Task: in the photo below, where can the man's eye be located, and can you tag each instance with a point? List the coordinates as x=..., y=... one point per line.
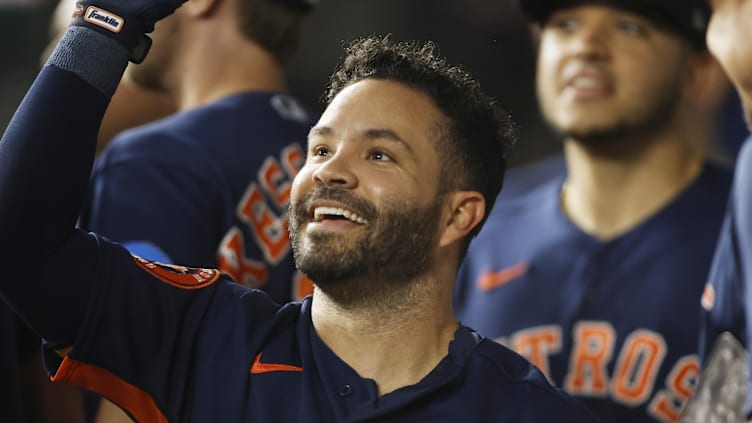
x=320, y=151
x=379, y=156
x=631, y=28
x=565, y=24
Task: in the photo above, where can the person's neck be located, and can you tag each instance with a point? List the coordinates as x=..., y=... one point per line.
x=395, y=342
x=219, y=69
x=612, y=188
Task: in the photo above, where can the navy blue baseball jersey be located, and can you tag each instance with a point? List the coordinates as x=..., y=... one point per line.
x=727, y=298
x=614, y=323
x=210, y=187
x=170, y=343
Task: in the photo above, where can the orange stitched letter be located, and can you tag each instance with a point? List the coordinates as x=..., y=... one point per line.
x=669, y=403
x=638, y=364
x=232, y=260
x=275, y=182
x=591, y=352
x=270, y=231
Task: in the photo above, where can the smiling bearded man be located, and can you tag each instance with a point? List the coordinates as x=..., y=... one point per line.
x=392, y=247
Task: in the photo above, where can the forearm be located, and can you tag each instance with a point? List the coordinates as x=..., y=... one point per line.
x=46, y=156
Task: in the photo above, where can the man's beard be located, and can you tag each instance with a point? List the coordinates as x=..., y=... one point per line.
x=392, y=250
x=653, y=117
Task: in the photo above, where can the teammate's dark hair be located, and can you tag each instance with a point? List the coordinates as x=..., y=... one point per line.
x=274, y=25
x=474, y=144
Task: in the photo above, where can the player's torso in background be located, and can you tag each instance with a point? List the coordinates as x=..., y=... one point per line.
x=227, y=170
x=613, y=323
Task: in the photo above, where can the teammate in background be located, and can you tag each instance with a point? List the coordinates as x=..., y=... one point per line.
x=210, y=184
x=727, y=299
x=400, y=169
x=595, y=276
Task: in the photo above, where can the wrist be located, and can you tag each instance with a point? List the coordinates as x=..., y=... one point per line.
x=97, y=59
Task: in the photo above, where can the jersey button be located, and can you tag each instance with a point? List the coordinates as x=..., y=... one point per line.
x=345, y=391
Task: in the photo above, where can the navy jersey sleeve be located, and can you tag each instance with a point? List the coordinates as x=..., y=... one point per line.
x=742, y=211
x=723, y=297
x=45, y=161
x=727, y=300
x=144, y=202
x=151, y=329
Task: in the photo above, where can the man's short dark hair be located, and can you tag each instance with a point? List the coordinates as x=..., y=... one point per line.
x=474, y=145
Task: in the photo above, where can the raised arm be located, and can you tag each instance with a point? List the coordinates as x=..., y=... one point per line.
x=46, y=156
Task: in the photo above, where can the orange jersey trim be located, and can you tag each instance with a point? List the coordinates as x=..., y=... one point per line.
x=179, y=276
x=259, y=367
x=137, y=402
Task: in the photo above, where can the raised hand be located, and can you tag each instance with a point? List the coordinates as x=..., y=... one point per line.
x=127, y=21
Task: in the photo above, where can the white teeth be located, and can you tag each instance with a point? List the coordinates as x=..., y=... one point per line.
x=320, y=212
x=585, y=82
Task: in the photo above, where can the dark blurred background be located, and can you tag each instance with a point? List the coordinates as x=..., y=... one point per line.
x=487, y=37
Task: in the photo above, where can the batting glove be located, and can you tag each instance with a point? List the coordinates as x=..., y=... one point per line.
x=127, y=21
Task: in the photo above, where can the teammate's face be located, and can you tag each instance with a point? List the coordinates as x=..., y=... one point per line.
x=602, y=71
x=729, y=35
x=157, y=68
x=365, y=205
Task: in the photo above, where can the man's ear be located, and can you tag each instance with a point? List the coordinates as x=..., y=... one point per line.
x=707, y=83
x=199, y=8
x=704, y=94
x=467, y=209
x=535, y=32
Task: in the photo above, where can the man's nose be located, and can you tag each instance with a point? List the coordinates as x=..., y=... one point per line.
x=337, y=171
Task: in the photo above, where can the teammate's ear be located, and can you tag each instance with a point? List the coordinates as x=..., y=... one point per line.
x=466, y=212
x=200, y=8
x=706, y=82
x=534, y=31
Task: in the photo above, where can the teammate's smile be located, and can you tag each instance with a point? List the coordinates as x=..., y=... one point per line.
x=585, y=83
